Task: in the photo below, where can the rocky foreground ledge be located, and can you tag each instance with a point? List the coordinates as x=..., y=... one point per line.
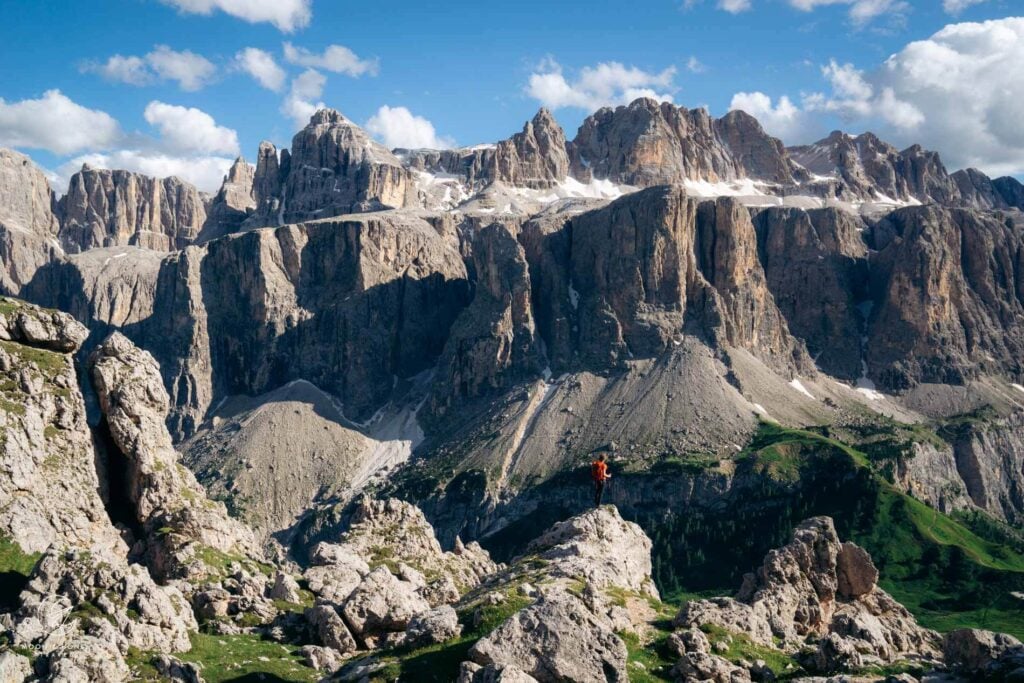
x=127, y=570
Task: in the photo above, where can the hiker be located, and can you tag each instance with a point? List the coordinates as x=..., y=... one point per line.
x=599, y=473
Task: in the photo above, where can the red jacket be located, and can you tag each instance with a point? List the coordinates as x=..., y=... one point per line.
x=599, y=470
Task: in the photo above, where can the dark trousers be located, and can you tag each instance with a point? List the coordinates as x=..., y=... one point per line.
x=598, y=493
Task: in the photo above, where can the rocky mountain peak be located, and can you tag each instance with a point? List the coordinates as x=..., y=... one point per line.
x=334, y=167
x=327, y=116
x=648, y=143
x=234, y=202
x=239, y=172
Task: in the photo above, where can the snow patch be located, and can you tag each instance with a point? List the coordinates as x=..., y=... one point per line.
x=574, y=296
x=798, y=385
x=743, y=187
x=1017, y=387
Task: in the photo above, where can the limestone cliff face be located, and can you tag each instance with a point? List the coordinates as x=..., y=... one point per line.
x=650, y=143
x=348, y=305
x=492, y=344
x=650, y=263
x=333, y=168
x=990, y=461
x=28, y=222
x=949, y=297
x=816, y=268
x=115, y=208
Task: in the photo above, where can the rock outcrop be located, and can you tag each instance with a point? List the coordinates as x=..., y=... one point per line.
x=566, y=633
x=180, y=526
x=817, y=588
x=396, y=533
x=105, y=208
x=28, y=222
x=599, y=548
x=50, y=492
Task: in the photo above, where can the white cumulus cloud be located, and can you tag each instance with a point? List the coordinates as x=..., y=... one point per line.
x=286, y=15
x=399, y=127
x=335, y=58
x=861, y=12
x=303, y=97
x=57, y=124
x=958, y=6
x=782, y=119
x=261, y=65
x=606, y=84
x=190, y=129
x=734, y=6
x=191, y=71
x=958, y=92
x=132, y=70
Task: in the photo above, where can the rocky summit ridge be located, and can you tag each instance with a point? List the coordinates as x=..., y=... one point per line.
x=335, y=421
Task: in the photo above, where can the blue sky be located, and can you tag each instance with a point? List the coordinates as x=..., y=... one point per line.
x=476, y=71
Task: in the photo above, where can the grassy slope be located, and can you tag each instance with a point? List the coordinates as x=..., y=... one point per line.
x=947, y=574
x=15, y=567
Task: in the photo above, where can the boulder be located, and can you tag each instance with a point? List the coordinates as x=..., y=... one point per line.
x=87, y=659
x=555, y=639
x=382, y=602
x=470, y=672
x=856, y=574
x=321, y=658
x=438, y=625
x=173, y=669
x=975, y=651
x=285, y=588
x=14, y=668
x=330, y=628
x=700, y=666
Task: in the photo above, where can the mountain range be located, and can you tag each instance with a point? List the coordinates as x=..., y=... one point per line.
x=758, y=335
